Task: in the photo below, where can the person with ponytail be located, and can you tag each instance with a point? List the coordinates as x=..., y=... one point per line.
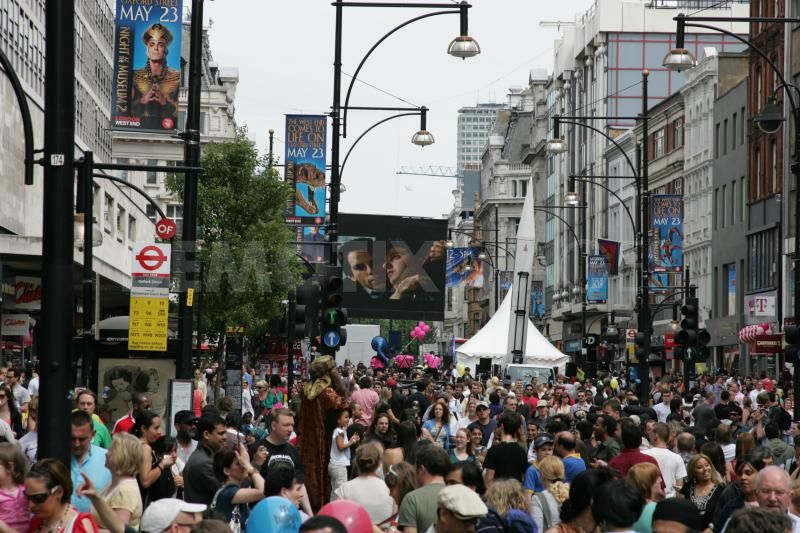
x=546, y=505
x=576, y=512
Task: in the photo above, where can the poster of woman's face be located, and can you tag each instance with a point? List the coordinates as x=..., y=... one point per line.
x=120, y=379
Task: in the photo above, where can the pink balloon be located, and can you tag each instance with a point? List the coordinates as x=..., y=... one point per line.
x=420, y=323
x=426, y=328
x=354, y=517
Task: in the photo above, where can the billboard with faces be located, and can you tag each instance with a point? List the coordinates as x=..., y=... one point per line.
x=393, y=267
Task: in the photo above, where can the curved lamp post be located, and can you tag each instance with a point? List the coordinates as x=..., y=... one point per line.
x=769, y=120
x=462, y=46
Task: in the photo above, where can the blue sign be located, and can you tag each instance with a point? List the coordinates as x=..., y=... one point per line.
x=667, y=219
x=331, y=338
x=597, y=279
x=306, y=154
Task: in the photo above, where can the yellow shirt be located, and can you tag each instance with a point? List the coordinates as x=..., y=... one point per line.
x=124, y=496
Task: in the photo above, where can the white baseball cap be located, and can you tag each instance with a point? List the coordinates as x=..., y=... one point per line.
x=160, y=514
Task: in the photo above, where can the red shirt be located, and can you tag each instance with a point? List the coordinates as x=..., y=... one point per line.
x=629, y=457
x=530, y=401
x=124, y=424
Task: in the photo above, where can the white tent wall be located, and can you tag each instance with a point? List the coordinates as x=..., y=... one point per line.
x=491, y=342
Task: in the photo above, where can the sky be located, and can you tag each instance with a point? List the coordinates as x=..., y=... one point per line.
x=284, y=52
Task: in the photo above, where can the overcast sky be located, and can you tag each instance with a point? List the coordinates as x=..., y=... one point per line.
x=284, y=52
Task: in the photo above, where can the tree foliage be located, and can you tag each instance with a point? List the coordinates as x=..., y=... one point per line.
x=249, y=265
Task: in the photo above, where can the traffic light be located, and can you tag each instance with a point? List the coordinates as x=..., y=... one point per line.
x=306, y=310
x=642, y=342
x=332, y=317
x=688, y=335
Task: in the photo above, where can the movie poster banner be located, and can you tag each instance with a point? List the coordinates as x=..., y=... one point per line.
x=667, y=219
x=611, y=251
x=147, y=65
x=537, y=299
x=306, y=141
x=597, y=279
x=392, y=267
x=313, y=247
x=464, y=267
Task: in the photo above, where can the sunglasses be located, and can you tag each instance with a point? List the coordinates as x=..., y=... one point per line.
x=40, y=497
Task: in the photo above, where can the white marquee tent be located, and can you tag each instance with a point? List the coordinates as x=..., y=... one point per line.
x=491, y=342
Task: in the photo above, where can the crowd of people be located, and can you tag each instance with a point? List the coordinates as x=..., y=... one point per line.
x=356, y=449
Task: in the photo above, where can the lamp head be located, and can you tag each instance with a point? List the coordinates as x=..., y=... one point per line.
x=423, y=138
x=449, y=243
x=770, y=119
x=482, y=255
x=679, y=59
x=464, y=46
x=571, y=198
x=556, y=146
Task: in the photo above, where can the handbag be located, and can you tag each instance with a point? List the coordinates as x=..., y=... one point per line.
x=235, y=523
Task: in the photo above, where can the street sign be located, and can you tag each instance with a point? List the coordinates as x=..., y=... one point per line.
x=150, y=269
x=630, y=335
x=147, y=326
x=166, y=229
x=590, y=340
x=331, y=338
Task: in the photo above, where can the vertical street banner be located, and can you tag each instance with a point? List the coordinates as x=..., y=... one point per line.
x=147, y=65
x=464, y=267
x=732, y=289
x=611, y=251
x=537, y=299
x=306, y=141
x=667, y=223
x=597, y=279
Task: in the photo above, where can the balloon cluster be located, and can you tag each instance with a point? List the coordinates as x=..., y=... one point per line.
x=420, y=331
x=432, y=360
x=404, y=361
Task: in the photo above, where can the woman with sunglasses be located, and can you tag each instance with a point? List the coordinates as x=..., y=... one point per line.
x=48, y=487
x=9, y=412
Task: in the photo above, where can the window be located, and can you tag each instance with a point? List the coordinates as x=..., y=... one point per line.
x=123, y=174
x=733, y=132
x=175, y=212
x=120, y=223
x=725, y=137
x=734, y=204
x=743, y=196
x=717, y=207
x=658, y=143
x=678, y=140
x=108, y=212
x=716, y=141
x=744, y=126
x=774, y=170
x=757, y=171
x=151, y=213
x=152, y=175
x=763, y=252
x=131, y=228
x=449, y=298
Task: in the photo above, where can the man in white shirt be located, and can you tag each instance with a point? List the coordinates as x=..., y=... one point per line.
x=21, y=395
x=672, y=467
x=662, y=408
x=759, y=388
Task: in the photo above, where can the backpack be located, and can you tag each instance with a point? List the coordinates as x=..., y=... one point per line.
x=547, y=520
x=516, y=521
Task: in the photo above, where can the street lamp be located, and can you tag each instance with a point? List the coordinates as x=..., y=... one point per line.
x=679, y=58
x=571, y=197
x=556, y=145
x=462, y=46
x=423, y=137
x=769, y=120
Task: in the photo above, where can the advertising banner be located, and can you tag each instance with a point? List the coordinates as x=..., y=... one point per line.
x=667, y=224
x=731, y=289
x=393, y=267
x=15, y=325
x=464, y=266
x=537, y=299
x=611, y=251
x=27, y=293
x=147, y=66
x=505, y=280
x=306, y=137
x=313, y=248
x=597, y=279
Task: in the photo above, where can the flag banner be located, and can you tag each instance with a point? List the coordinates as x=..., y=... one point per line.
x=147, y=66
x=612, y=252
x=464, y=266
x=306, y=141
x=667, y=232
x=597, y=279
x=537, y=299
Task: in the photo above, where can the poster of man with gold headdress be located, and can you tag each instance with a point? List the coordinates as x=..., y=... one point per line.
x=147, y=65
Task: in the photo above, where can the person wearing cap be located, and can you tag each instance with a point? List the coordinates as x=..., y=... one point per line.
x=542, y=447
x=185, y=424
x=171, y=514
x=458, y=510
x=485, y=422
x=542, y=414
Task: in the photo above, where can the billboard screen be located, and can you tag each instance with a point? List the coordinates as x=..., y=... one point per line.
x=147, y=66
x=393, y=267
x=464, y=266
x=306, y=137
